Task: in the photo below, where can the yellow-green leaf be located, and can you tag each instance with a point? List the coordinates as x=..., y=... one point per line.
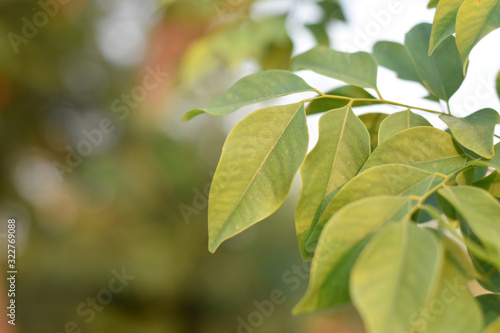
x=359, y=69
x=474, y=132
x=491, y=163
x=395, y=276
x=324, y=104
x=481, y=211
x=343, y=146
x=260, y=158
x=342, y=240
x=443, y=25
x=398, y=122
x=475, y=19
x=252, y=89
x=427, y=148
x=494, y=327
x=372, y=122
x=390, y=179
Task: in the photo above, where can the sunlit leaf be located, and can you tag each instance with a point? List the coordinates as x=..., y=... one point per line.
x=474, y=132
x=260, y=158
x=324, y=104
x=252, y=89
x=443, y=25
x=391, y=179
x=395, y=57
x=441, y=73
x=480, y=210
x=424, y=147
x=395, y=276
x=359, y=69
x=372, y=122
x=343, y=146
x=494, y=327
x=341, y=242
x=398, y=122
x=475, y=19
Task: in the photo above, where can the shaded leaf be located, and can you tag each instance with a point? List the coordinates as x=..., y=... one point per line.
x=474, y=132
x=494, y=327
x=443, y=25
x=372, y=122
x=441, y=73
x=260, y=158
x=432, y=3
x=391, y=179
x=324, y=104
x=475, y=19
x=342, y=240
x=394, y=277
x=427, y=148
x=490, y=305
x=252, y=89
x=395, y=57
x=492, y=163
x=398, y=122
x=359, y=69
x=343, y=146
x=481, y=211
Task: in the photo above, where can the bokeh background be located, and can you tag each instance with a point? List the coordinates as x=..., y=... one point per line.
x=103, y=177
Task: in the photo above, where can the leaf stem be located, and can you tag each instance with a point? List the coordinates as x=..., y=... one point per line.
x=383, y=101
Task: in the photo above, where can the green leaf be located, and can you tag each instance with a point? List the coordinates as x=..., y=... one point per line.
x=372, y=122
x=492, y=163
x=441, y=73
x=427, y=148
x=260, y=158
x=474, y=132
x=252, y=89
x=452, y=297
x=498, y=84
x=391, y=179
x=432, y=3
x=491, y=307
x=324, y=104
x=395, y=57
x=359, y=69
x=340, y=244
x=443, y=25
x=494, y=327
x=394, y=277
x=481, y=211
x=475, y=19
x=398, y=122
x=343, y=146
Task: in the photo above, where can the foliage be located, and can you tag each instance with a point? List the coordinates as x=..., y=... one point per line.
x=360, y=212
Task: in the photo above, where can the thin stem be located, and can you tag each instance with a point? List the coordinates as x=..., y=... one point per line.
x=498, y=136
x=379, y=95
x=379, y=101
x=448, y=107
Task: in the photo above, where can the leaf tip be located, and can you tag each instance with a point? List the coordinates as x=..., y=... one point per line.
x=191, y=114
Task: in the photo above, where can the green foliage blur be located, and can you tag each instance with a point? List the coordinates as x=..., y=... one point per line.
x=100, y=181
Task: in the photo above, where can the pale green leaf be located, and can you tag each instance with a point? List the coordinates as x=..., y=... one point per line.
x=372, y=122
x=481, y=211
x=395, y=57
x=443, y=25
x=359, y=69
x=432, y=3
x=341, y=242
x=441, y=73
x=398, y=122
x=252, y=89
x=394, y=277
x=260, y=158
x=391, y=179
x=474, y=132
x=475, y=19
x=423, y=147
x=324, y=104
x=343, y=146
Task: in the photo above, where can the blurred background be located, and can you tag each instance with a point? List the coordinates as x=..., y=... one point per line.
x=108, y=186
